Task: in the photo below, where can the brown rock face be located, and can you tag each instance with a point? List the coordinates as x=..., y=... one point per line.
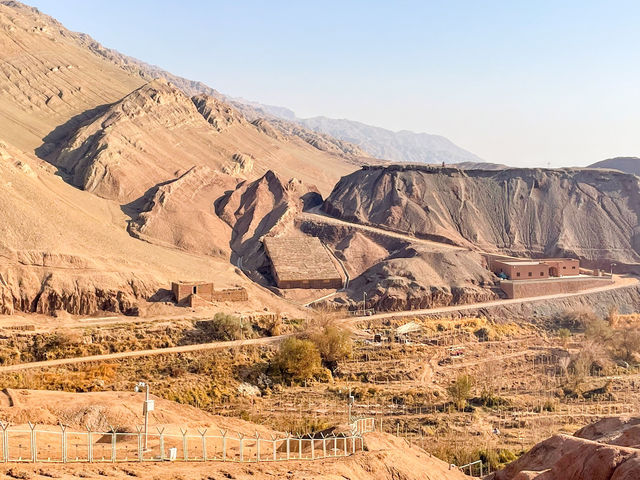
x=590, y=214
x=181, y=213
x=562, y=457
x=144, y=139
x=219, y=114
x=256, y=209
x=46, y=291
x=422, y=277
x=622, y=431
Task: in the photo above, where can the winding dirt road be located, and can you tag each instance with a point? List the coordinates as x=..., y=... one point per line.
x=619, y=282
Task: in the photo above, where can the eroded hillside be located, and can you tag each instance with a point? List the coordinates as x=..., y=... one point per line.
x=590, y=214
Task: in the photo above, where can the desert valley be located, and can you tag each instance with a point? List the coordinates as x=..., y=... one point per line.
x=198, y=286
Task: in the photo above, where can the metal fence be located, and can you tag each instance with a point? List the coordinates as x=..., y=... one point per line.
x=61, y=445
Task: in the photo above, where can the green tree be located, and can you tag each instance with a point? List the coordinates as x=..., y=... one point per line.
x=298, y=359
x=460, y=390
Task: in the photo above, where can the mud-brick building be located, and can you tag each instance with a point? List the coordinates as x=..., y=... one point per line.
x=194, y=294
x=301, y=262
x=521, y=269
x=562, y=267
x=536, y=269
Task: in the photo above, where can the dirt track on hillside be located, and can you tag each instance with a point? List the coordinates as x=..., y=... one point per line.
x=619, y=282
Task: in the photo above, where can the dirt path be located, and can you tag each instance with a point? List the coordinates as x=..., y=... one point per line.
x=145, y=353
x=316, y=215
x=619, y=282
x=350, y=322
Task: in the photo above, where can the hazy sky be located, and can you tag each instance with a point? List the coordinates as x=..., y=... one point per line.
x=518, y=82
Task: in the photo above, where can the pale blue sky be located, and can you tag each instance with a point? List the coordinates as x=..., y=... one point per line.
x=523, y=83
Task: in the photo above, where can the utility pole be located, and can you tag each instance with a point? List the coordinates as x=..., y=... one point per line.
x=147, y=407
x=350, y=403
x=364, y=303
x=611, y=272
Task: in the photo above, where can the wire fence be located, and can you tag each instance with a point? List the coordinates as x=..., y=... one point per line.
x=61, y=445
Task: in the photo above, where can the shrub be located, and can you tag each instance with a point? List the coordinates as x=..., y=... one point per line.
x=576, y=319
x=226, y=327
x=626, y=344
x=460, y=391
x=564, y=334
x=334, y=344
x=298, y=359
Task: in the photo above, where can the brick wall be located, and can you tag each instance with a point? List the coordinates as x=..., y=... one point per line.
x=231, y=295
x=522, y=289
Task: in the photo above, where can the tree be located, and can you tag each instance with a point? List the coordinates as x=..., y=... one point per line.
x=460, y=390
x=627, y=344
x=334, y=344
x=298, y=359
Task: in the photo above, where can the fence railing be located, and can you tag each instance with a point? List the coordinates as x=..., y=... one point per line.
x=61, y=445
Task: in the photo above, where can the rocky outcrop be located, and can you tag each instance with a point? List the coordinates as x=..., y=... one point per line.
x=48, y=290
x=146, y=138
x=562, y=457
x=589, y=214
x=219, y=114
x=417, y=277
x=265, y=127
x=181, y=213
x=621, y=431
x=267, y=206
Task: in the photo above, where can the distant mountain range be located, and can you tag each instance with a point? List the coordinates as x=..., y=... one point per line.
x=401, y=146
x=624, y=164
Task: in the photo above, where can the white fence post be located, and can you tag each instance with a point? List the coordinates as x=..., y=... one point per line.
x=204, y=444
x=288, y=446
x=34, y=447
x=324, y=446
x=140, y=453
x=64, y=442
x=161, y=434
x=89, y=444
x=273, y=441
x=5, y=441
x=240, y=438
x=300, y=446
x=113, y=444
x=224, y=445
x=313, y=446
x=184, y=445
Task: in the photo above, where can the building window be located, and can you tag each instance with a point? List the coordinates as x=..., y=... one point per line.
x=531, y=274
x=518, y=274
x=195, y=290
x=564, y=267
x=573, y=267
x=542, y=274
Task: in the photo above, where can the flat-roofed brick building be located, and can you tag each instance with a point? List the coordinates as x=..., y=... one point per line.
x=301, y=262
x=562, y=267
x=521, y=269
